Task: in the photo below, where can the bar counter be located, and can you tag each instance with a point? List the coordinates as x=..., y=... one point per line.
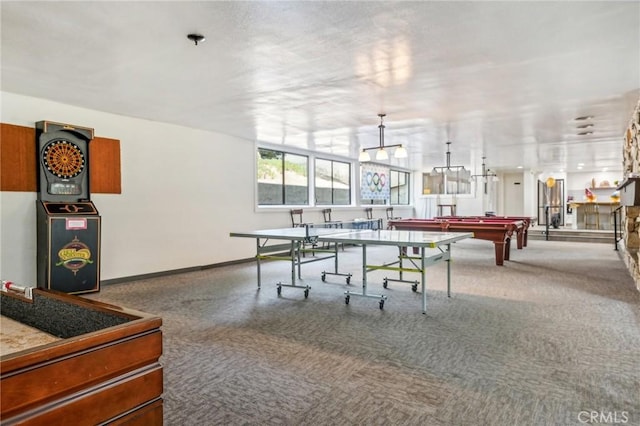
x=605, y=209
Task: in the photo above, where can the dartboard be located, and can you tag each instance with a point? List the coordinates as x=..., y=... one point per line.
x=64, y=159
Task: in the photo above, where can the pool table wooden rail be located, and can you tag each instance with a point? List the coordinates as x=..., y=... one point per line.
x=498, y=232
x=526, y=220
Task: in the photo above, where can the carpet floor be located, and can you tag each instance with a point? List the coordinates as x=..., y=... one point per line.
x=550, y=338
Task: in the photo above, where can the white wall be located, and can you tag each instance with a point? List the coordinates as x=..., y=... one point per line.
x=580, y=181
x=183, y=192
x=513, y=194
x=530, y=194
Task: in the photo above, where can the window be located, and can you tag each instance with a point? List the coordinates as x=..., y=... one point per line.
x=333, y=182
x=283, y=178
x=380, y=185
x=447, y=181
x=399, y=187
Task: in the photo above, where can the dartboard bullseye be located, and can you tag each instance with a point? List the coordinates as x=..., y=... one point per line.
x=64, y=159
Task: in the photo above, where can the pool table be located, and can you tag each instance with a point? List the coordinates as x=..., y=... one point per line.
x=522, y=231
x=527, y=222
x=498, y=232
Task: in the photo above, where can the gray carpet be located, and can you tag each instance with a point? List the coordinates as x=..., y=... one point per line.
x=549, y=339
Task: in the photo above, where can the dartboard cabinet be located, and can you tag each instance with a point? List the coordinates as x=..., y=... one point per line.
x=68, y=223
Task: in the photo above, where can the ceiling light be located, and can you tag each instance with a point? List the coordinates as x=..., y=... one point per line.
x=457, y=175
x=401, y=152
x=486, y=174
x=442, y=169
x=381, y=153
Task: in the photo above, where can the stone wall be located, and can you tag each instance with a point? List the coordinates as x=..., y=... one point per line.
x=631, y=164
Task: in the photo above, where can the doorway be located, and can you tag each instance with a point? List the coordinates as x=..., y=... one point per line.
x=553, y=197
x=513, y=194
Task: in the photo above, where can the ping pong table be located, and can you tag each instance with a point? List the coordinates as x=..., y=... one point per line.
x=433, y=247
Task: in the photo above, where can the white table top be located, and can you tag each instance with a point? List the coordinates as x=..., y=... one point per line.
x=360, y=236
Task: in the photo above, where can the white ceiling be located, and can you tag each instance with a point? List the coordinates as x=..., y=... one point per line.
x=503, y=80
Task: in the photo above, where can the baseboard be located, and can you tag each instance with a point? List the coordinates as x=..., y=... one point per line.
x=175, y=271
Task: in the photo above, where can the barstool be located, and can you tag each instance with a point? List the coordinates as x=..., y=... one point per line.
x=296, y=222
x=326, y=214
x=451, y=207
x=369, y=212
x=591, y=216
x=390, y=216
x=296, y=217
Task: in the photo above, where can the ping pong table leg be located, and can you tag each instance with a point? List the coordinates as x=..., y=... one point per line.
x=295, y=255
x=423, y=277
x=449, y=271
x=294, y=258
x=258, y=260
x=364, y=293
x=403, y=252
x=364, y=269
x=324, y=274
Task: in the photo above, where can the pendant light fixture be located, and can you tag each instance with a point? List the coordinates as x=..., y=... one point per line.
x=487, y=175
x=454, y=179
x=381, y=152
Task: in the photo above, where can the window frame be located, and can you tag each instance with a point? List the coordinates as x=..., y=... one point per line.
x=407, y=175
x=457, y=186
x=332, y=202
x=283, y=184
x=354, y=179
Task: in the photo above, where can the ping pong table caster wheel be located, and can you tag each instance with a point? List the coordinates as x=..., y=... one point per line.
x=346, y=299
x=306, y=293
x=323, y=277
x=279, y=289
x=414, y=287
x=382, y=304
x=349, y=279
x=385, y=283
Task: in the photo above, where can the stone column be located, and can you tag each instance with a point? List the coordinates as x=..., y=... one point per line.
x=631, y=164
